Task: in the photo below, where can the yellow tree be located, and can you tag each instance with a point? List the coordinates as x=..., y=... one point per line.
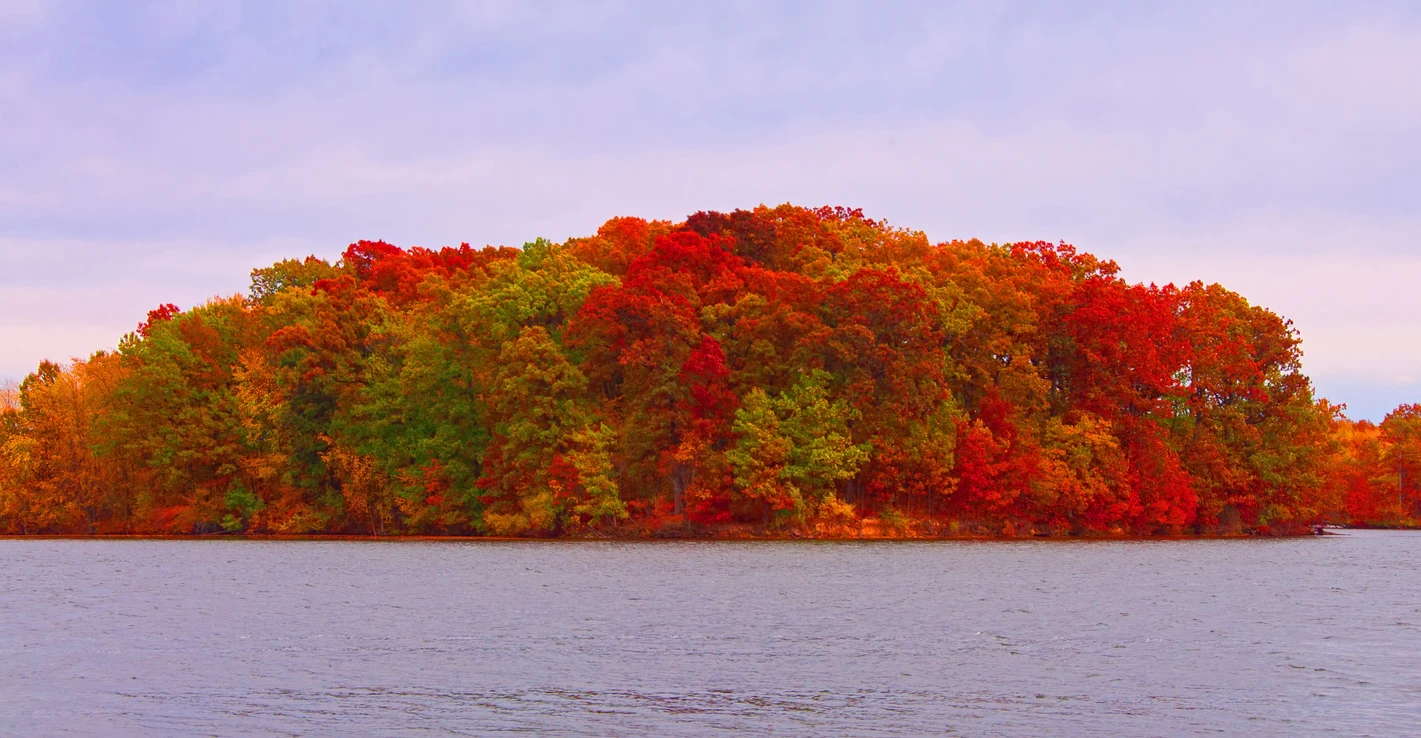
x=57, y=481
x=14, y=462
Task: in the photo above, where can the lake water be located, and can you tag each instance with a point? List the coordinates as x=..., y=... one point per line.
x=1306, y=636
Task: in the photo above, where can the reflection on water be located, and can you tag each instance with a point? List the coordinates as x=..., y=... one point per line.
x=1267, y=637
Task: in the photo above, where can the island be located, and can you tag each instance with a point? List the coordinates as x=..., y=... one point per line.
x=775, y=372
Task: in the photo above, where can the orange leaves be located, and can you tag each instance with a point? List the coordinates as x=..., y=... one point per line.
x=777, y=366
x=618, y=243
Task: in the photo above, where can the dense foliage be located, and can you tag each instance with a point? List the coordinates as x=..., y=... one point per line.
x=782, y=370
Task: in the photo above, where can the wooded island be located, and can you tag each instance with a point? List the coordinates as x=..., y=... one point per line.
x=781, y=371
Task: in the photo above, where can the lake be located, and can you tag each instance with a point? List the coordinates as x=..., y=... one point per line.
x=1300, y=636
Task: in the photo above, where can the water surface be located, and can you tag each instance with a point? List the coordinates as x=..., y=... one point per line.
x=1309, y=636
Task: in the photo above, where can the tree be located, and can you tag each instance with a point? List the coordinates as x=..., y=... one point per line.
x=791, y=450
x=1401, y=436
x=537, y=415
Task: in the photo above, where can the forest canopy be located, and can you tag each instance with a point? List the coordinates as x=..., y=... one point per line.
x=775, y=371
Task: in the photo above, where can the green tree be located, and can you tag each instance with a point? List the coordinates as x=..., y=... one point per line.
x=791, y=450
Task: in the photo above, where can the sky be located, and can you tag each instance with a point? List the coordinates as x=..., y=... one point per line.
x=157, y=152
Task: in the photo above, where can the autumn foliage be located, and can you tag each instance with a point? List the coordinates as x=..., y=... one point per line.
x=781, y=370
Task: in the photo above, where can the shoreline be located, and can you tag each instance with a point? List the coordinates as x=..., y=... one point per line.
x=651, y=539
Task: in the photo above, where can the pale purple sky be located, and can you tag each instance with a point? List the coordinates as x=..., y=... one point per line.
x=156, y=152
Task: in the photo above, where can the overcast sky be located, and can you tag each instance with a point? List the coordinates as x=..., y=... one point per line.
x=157, y=152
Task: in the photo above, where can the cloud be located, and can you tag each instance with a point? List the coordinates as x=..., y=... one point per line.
x=1354, y=315
x=22, y=11
x=1264, y=147
x=65, y=299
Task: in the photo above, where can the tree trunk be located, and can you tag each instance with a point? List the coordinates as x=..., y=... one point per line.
x=680, y=480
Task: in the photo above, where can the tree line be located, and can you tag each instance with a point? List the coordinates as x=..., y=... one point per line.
x=781, y=370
